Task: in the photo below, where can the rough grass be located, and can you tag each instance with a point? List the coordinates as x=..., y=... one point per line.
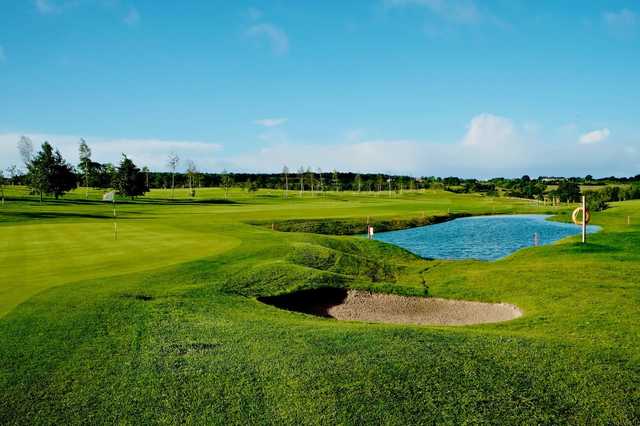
x=163, y=325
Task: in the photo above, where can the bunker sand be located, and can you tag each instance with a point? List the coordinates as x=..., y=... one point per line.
x=356, y=305
x=372, y=307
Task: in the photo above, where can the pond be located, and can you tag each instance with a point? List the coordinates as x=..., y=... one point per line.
x=481, y=237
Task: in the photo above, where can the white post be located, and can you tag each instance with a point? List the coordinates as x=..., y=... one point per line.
x=584, y=219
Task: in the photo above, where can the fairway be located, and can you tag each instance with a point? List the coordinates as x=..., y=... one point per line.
x=163, y=324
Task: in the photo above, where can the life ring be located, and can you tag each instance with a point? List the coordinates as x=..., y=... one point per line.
x=586, y=215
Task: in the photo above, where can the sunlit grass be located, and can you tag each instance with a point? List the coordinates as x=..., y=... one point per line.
x=162, y=324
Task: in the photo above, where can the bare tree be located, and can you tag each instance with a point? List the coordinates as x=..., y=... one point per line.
x=85, y=162
x=25, y=147
x=285, y=172
x=336, y=180
x=192, y=174
x=173, y=162
x=12, y=172
x=359, y=182
x=320, y=180
x=301, y=179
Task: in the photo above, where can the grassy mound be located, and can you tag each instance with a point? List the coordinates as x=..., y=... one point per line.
x=354, y=226
x=163, y=325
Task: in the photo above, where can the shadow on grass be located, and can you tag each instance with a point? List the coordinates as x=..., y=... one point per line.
x=26, y=216
x=590, y=248
x=144, y=201
x=316, y=301
x=179, y=202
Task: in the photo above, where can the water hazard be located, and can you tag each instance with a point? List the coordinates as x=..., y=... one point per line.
x=481, y=237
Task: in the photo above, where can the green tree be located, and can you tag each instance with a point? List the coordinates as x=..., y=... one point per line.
x=85, y=163
x=145, y=170
x=2, y=187
x=285, y=173
x=49, y=173
x=568, y=191
x=311, y=178
x=129, y=181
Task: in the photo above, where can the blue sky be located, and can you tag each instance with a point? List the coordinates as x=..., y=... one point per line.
x=427, y=87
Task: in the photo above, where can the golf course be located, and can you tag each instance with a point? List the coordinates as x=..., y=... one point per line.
x=149, y=311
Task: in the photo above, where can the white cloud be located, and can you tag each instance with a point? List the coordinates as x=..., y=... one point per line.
x=624, y=17
x=490, y=146
x=132, y=17
x=271, y=122
x=46, y=6
x=144, y=152
x=487, y=129
x=622, y=23
x=275, y=36
x=594, y=136
x=459, y=11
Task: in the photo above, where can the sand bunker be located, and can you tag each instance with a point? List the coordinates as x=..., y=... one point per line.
x=354, y=305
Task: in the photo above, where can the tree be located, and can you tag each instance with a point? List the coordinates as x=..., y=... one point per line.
x=568, y=191
x=250, y=186
x=49, y=173
x=311, y=179
x=12, y=173
x=129, y=182
x=85, y=163
x=301, y=178
x=285, y=172
x=358, y=182
x=320, y=180
x=145, y=170
x=192, y=174
x=227, y=182
x=335, y=180
x=107, y=175
x=173, y=162
x=2, y=187
x=25, y=147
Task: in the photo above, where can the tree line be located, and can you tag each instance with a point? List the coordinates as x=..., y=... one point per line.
x=46, y=172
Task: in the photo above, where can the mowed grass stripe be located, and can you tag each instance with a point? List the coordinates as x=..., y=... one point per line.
x=46, y=255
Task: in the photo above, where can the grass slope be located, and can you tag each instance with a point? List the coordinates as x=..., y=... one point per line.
x=162, y=325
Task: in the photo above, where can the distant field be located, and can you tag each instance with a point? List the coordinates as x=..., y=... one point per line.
x=162, y=325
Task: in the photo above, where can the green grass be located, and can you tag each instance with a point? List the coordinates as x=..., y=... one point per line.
x=162, y=324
